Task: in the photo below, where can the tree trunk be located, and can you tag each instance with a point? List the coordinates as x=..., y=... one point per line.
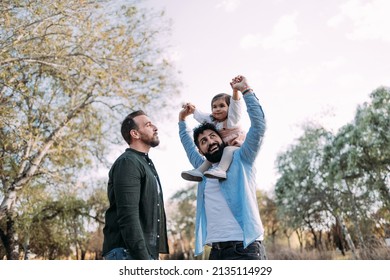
x=10, y=236
x=285, y=232
x=10, y=240
x=313, y=232
x=338, y=237
x=300, y=239
x=357, y=230
x=26, y=248
x=7, y=203
x=347, y=237
x=182, y=247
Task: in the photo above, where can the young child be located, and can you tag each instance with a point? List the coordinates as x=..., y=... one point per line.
x=225, y=115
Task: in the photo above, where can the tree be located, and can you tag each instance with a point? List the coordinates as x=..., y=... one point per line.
x=182, y=221
x=298, y=193
x=359, y=162
x=341, y=181
x=268, y=212
x=67, y=72
x=372, y=123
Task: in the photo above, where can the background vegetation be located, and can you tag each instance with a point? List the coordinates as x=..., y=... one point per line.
x=68, y=71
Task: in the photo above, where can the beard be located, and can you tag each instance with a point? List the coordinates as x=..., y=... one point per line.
x=217, y=155
x=152, y=142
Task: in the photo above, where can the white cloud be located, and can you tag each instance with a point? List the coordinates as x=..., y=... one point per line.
x=336, y=21
x=311, y=75
x=251, y=41
x=334, y=63
x=287, y=77
x=229, y=5
x=350, y=79
x=370, y=19
x=285, y=36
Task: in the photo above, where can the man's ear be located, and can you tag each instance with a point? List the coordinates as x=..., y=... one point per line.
x=134, y=134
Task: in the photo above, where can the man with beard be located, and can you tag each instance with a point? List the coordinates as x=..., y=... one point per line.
x=135, y=224
x=227, y=215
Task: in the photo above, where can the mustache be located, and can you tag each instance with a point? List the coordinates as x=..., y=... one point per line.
x=212, y=146
x=216, y=154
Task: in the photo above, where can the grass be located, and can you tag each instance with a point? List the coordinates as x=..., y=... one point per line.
x=372, y=253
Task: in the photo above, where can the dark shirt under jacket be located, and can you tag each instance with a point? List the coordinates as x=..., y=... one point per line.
x=135, y=219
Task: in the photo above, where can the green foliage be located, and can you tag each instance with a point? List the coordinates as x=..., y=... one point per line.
x=68, y=70
x=55, y=228
x=325, y=178
x=299, y=190
x=183, y=218
x=268, y=214
x=181, y=222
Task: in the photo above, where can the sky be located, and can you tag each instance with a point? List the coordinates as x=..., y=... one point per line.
x=306, y=61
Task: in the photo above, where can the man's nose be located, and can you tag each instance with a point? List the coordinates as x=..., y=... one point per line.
x=210, y=142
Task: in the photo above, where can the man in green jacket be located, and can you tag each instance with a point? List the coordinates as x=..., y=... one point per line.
x=135, y=223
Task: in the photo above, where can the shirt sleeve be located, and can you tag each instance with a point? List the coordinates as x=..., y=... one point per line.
x=235, y=113
x=254, y=137
x=202, y=117
x=127, y=189
x=195, y=158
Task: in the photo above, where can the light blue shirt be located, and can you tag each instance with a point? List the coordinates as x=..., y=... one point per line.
x=239, y=189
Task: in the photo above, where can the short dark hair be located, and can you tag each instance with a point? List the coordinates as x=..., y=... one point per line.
x=201, y=128
x=128, y=124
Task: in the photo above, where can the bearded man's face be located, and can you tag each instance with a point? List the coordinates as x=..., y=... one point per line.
x=211, y=145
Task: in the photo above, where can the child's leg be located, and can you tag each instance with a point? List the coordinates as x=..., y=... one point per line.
x=227, y=157
x=219, y=172
x=197, y=173
x=204, y=166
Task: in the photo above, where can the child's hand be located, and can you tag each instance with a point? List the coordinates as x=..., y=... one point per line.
x=240, y=83
x=191, y=107
x=187, y=109
x=237, y=143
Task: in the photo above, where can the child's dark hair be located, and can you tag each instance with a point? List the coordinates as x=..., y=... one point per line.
x=221, y=95
x=201, y=128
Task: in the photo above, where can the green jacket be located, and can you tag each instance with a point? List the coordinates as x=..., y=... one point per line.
x=135, y=219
